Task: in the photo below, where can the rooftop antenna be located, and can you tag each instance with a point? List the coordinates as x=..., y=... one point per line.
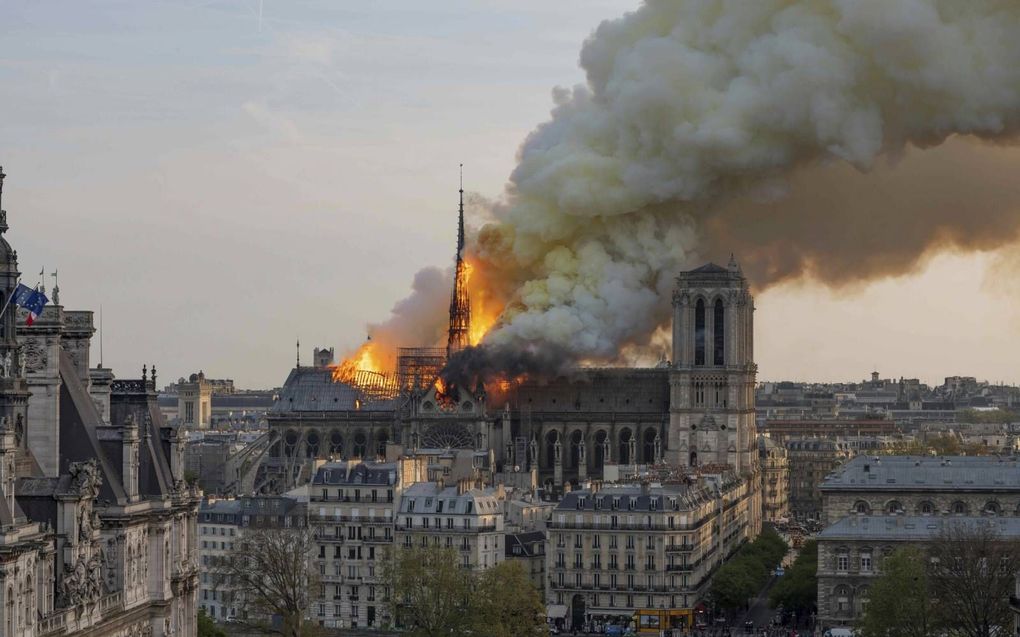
x=299, y=351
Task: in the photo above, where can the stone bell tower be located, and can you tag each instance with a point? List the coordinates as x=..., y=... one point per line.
x=713, y=373
x=13, y=389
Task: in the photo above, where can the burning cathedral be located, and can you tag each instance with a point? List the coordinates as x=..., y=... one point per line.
x=692, y=414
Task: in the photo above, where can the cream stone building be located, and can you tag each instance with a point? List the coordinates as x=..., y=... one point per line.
x=617, y=550
x=775, y=473
x=876, y=504
x=353, y=511
x=466, y=517
x=97, y=526
x=221, y=527
x=194, y=401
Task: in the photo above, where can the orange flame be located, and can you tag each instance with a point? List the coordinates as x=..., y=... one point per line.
x=365, y=359
x=484, y=311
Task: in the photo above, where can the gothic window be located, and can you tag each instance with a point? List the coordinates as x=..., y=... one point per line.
x=381, y=438
x=718, y=334
x=576, y=439
x=600, y=448
x=312, y=444
x=336, y=443
x=699, y=332
x=550, y=449
x=360, y=444
x=624, y=457
x=649, y=445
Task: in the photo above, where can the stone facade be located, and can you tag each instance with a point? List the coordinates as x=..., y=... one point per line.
x=810, y=460
x=221, y=523
x=97, y=527
x=194, y=402
x=352, y=509
x=620, y=549
x=775, y=473
x=876, y=504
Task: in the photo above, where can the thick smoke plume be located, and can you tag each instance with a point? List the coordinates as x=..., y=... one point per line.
x=809, y=137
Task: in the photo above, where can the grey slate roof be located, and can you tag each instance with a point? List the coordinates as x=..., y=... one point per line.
x=911, y=528
x=313, y=389
x=941, y=473
x=369, y=473
x=631, y=498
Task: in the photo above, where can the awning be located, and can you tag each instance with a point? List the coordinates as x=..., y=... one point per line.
x=618, y=612
x=556, y=611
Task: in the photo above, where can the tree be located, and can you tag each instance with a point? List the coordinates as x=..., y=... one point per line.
x=508, y=604
x=743, y=575
x=268, y=579
x=207, y=627
x=428, y=593
x=972, y=572
x=899, y=602
x=797, y=589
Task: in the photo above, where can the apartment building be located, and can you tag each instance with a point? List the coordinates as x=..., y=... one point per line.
x=775, y=475
x=221, y=525
x=617, y=551
x=352, y=507
x=466, y=517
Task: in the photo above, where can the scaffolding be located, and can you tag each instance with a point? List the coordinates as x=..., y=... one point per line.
x=375, y=386
x=418, y=367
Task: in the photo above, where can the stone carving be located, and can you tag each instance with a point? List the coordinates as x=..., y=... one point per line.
x=5, y=364
x=82, y=584
x=35, y=356
x=85, y=478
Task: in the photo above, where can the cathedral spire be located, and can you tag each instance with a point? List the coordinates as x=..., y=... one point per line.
x=460, y=304
x=460, y=220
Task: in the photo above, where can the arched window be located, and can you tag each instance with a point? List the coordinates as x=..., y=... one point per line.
x=992, y=508
x=861, y=507
x=718, y=334
x=926, y=508
x=958, y=508
x=699, y=332
x=624, y=456
x=893, y=507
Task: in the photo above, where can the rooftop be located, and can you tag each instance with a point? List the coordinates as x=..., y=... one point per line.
x=926, y=472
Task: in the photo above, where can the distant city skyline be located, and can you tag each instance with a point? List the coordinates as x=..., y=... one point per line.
x=223, y=183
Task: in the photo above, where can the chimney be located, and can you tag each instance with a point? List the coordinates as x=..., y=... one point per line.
x=646, y=487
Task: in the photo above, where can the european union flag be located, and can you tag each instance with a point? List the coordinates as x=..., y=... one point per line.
x=31, y=300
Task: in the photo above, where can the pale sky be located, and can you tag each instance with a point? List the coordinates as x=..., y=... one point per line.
x=223, y=184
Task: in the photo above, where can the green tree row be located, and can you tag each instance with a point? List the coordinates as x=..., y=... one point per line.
x=744, y=574
x=797, y=590
x=430, y=595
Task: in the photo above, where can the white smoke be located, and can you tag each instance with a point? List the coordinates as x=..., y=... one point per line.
x=691, y=103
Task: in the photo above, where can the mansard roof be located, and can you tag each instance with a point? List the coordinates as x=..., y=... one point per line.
x=939, y=473
x=361, y=473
